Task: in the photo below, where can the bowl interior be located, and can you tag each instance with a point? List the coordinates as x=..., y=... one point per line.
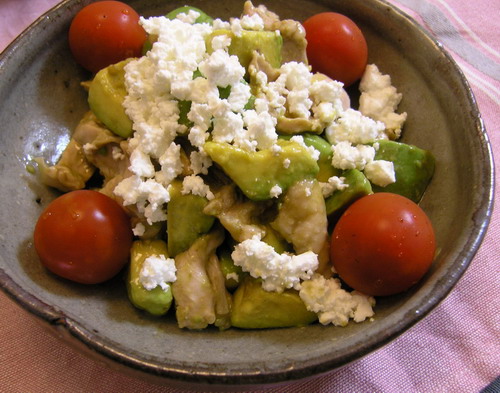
x=42, y=101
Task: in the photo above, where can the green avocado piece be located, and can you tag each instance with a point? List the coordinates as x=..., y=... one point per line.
x=268, y=43
x=340, y=200
x=278, y=242
x=255, y=173
x=106, y=94
x=255, y=308
x=158, y=300
x=203, y=18
x=326, y=170
x=229, y=268
x=414, y=168
x=186, y=221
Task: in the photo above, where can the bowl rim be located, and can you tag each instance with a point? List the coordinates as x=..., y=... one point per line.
x=102, y=347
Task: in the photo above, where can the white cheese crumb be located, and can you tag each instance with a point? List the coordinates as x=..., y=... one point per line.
x=286, y=163
x=353, y=127
x=157, y=271
x=221, y=41
x=380, y=172
x=333, y=304
x=233, y=276
x=252, y=22
x=333, y=184
x=278, y=271
x=195, y=185
x=312, y=151
x=379, y=100
x=139, y=229
x=275, y=191
x=346, y=156
x=189, y=17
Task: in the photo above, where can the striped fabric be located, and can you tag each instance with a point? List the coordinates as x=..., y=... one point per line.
x=455, y=349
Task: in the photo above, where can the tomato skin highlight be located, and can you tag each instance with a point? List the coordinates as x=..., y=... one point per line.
x=83, y=236
x=383, y=244
x=336, y=47
x=104, y=33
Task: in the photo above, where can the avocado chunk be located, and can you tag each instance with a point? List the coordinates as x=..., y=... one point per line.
x=255, y=308
x=156, y=301
x=268, y=43
x=326, y=170
x=203, y=18
x=186, y=221
x=340, y=200
x=414, y=169
x=255, y=173
x=276, y=241
x=233, y=274
x=106, y=94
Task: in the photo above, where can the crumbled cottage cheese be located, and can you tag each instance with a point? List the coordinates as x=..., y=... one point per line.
x=333, y=184
x=157, y=271
x=379, y=100
x=278, y=271
x=333, y=304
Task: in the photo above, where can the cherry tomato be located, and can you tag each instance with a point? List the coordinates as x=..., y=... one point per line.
x=84, y=236
x=105, y=33
x=336, y=47
x=383, y=244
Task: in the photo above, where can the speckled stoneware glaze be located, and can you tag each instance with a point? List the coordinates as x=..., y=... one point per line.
x=41, y=101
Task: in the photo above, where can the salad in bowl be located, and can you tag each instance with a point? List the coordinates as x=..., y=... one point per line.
x=225, y=168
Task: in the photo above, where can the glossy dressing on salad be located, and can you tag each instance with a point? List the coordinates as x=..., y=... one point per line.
x=234, y=160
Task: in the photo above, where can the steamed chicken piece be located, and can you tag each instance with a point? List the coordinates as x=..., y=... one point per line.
x=222, y=297
x=294, y=35
x=91, y=146
x=196, y=298
x=302, y=221
x=240, y=218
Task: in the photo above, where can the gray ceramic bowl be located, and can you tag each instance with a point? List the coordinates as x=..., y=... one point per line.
x=41, y=102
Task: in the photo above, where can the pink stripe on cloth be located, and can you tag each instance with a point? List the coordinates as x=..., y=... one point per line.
x=455, y=349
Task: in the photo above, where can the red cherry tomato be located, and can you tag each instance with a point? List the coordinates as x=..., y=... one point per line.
x=336, y=47
x=105, y=33
x=83, y=236
x=383, y=244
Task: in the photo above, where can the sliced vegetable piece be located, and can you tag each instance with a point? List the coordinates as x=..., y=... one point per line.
x=255, y=308
x=268, y=43
x=106, y=94
x=414, y=168
x=256, y=173
x=358, y=186
x=203, y=18
x=158, y=300
x=186, y=221
x=326, y=170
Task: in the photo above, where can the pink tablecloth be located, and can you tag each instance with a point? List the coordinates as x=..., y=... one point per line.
x=455, y=349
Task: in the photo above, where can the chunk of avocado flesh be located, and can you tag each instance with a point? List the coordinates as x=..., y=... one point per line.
x=326, y=170
x=358, y=186
x=268, y=43
x=255, y=308
x=186, y=221
x=414, y=168
x=229, y=269
x=203, y=18
x=255, y=173
x=156, y=301
x=106, y=94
